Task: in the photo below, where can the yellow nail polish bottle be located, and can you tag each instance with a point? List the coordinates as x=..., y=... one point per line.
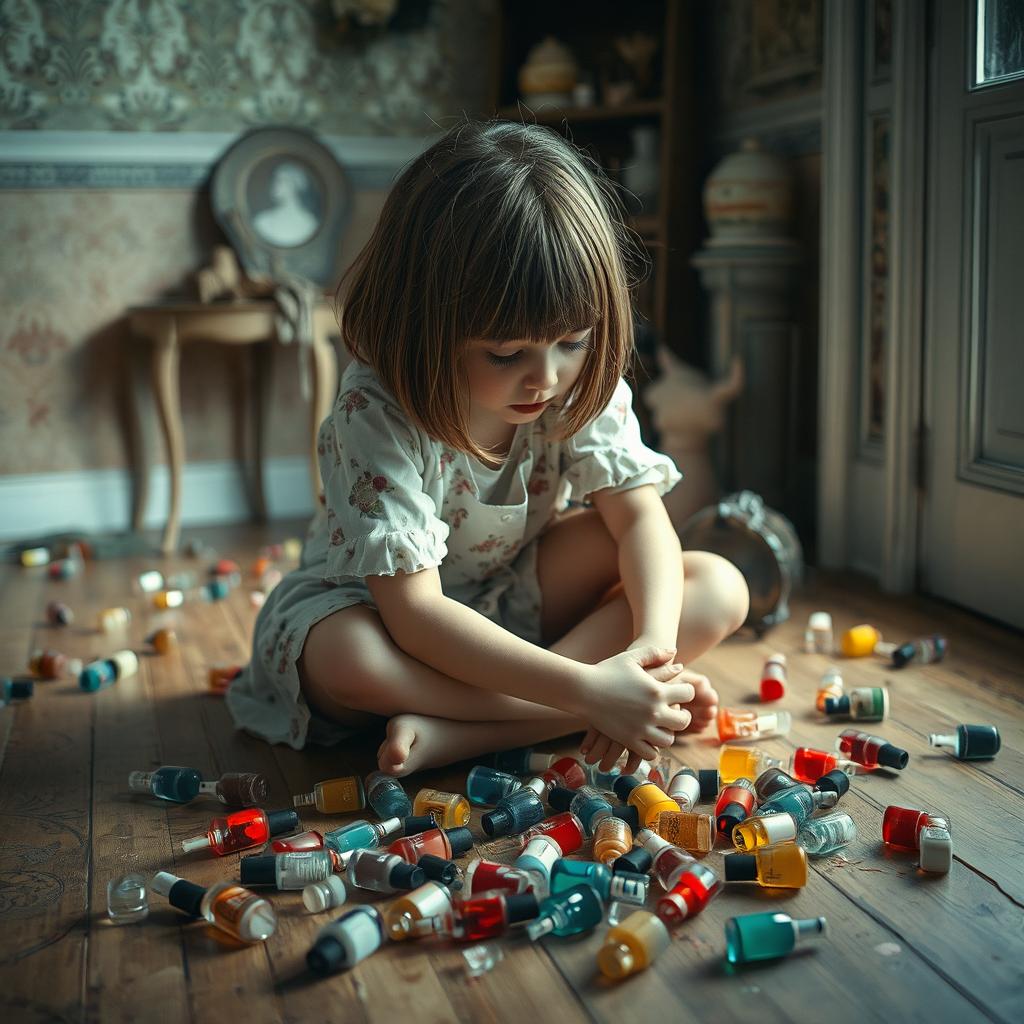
x=450, y=810
x=334, y=796
x=687, y=830
x=762, y=831
x=632, y=945
x=648, y=799
x=780, y=867
x=411, y=915
x=744, y=762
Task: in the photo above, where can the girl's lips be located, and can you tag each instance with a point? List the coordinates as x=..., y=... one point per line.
x=530, y=408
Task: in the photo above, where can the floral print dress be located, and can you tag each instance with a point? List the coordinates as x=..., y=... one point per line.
x=396, y=499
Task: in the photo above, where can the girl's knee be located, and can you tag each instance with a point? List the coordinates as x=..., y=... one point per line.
x=345, y=653
x=724, y=594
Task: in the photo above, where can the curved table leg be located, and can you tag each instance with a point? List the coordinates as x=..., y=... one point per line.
x=168, y=398
x=325, y=384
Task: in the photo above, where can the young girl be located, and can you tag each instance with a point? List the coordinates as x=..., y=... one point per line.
x=443, y=584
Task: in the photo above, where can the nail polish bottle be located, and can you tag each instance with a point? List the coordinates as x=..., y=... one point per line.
x=486, y=786
x=693, y=891
x=632, y=945
x=627, y=888
x=741, y=724
x=484, y=875
x=823, y=836
x=590, y=806
x=438, y=869
x=15, y=689
x=901, y=826
x=823, y=638
x=835, y=781
x=242, y=831
x=487, y=916
x=565, y=829
x=413, y=914
x=743, y=762
x=48, y=664
x=34, y=556
x=646, y=797
x=773, y=678
x=668, y=862
x=514, y=813
x=112, y=619
x=922, y=652
x=311, y=840
x=287, y=871
x=521, y=761
x=239, y=912
x=345, y=941
x=164, y=600
x=612, y=838
x=831, y=686
x=684, y=788
x=772, y=781
x=757, y=832
x=447, y=843
x=768, y=936
x=449, y=810
x=238, y=789
x=102, y=673
x=361, y=834
x=735, y=802
x=383, y=872
x=182, y=895
x=59, y=614
x=324, y=895
x=799, y=802
x=417, y=823
x=220, y=677
x=163, y=641
x=710, y=780
x=638, y=861
x=178, y=785
x=936, y=846
x=969, y=742
x=865, y=704
x=386, y=796
x=569, y=913
x=871, y=751
x=778, y=867
x=536, y=862
x=127, y=899
x=692, y=832
x=334, y=796
x=571, y=772
x=809, y=764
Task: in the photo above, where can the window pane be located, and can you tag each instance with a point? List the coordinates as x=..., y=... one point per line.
x=1000, y=40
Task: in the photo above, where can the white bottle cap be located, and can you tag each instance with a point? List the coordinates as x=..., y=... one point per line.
x=778, y=828
x=936, y=847
x=324, y=895
x=127, y=663
x=163, y=881
x=820, y=621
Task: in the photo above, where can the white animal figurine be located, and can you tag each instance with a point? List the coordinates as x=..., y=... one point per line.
x=688, y=411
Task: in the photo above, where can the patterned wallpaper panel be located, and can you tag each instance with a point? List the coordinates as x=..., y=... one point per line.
x=215, y=65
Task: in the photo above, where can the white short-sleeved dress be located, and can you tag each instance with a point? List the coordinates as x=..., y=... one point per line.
x=396, y=499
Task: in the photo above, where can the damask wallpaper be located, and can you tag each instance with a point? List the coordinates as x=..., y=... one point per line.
x=73, y=260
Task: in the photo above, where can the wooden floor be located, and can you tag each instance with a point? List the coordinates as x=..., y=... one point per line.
x=901, y=946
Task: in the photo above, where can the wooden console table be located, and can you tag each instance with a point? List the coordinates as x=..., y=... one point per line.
x=168, y=327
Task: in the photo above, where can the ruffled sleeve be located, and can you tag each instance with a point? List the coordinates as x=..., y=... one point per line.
x=608, y=453
x=380, y=520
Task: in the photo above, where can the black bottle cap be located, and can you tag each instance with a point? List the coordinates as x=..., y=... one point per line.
x=629, y=814
x=186, y=896
x=624, y=785
x=497, y=822
x=890, y=756
x=710, y=783
x=837, y=705
x=280, y=822
x=902, y=654
x=406, y=876
x=417, y=823
x=834, y=782
x=638, y=860
x=22, y=688
x=732, y=814
x=437, y=869
x=461, y=840
x=522, y=907
x=979, y=740
x=326, y=956
x=258, y=870
x=559, y=798
x=740, y=867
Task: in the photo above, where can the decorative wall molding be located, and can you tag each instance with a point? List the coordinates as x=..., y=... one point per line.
x=170, y=160
x=100, y=500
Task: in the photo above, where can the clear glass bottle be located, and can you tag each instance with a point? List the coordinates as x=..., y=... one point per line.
x=871, y=751
x=324, y=895
x=565, y=829
x=486, y=786
x=386, y=796
x=693, y=891
x=809, y=764
x=346, y=940
x=778, y=867
x=969, y=742
x=830, y=687
x=743, y=724
x=799, y=802
x=649, y=800
x=413, y=913
x=687, y=830
x=569, y=913
x=632, y=945
x=334, y=796
x=865, y=704
x=242, y=831
x=514, y=813
x=757, y=832
x=668, y=861
x=612, y=838
x=238, y=789
x=768, y=936
x=127, y=899
x=361, y=834
x=487, y=916
x=173, y=783
x=823, y=836
x=450, y=810
x=239, y=912
x=684, y=788
x=287, y=870
x=383, y=872
x=744, y=762
x=446, y=843
x=734, y=803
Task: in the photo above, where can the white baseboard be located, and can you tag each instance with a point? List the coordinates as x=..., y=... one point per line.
x=99, y=501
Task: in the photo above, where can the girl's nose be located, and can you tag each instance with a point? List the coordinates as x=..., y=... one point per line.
x=543, y=376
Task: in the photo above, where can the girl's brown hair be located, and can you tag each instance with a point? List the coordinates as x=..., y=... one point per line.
x=498, y=231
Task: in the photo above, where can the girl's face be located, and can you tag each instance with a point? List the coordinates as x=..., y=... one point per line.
x=513, y=382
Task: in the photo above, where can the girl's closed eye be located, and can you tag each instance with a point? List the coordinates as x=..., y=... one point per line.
x=509, y=360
